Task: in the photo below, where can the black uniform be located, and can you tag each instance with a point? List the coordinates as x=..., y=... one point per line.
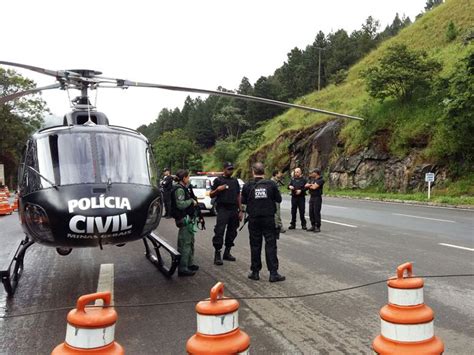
x=315, y=202
x=227, y=212
x=260, y=197
x=167, y=185
x=298, y=201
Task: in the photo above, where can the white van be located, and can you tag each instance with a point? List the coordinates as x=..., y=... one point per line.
x=202, y=187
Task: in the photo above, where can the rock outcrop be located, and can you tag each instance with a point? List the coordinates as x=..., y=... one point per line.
x=320, y=146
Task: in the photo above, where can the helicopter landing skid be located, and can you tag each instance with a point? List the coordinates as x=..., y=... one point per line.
x=11, y=272
x=156, y=258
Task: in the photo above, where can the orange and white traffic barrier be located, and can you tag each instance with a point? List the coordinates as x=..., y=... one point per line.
x=5, y=207
x=91, y=331
x=406, y=322
x=218, y=329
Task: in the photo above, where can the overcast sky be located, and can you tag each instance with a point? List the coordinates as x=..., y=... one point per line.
x=202, y=44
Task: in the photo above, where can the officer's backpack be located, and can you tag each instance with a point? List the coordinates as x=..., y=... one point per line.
x=175, y=212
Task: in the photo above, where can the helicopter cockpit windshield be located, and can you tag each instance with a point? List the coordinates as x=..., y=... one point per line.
x=92, y=158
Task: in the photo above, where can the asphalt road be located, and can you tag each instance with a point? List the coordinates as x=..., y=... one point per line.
x=360, y=242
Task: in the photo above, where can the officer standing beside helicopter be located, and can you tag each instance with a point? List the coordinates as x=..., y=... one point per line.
x=167, y=185
x=183, y=209
x=260, y=197
x=315, y=189
x=226, y=189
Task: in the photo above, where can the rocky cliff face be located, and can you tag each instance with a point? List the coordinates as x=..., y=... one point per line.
x=319, y=146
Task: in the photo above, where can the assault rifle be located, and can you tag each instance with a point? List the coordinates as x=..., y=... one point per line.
x=201, y=223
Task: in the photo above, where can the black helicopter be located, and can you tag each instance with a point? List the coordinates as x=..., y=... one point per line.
x=87, y=183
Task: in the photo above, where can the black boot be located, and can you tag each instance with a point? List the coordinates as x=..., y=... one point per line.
x=186, y=272
x=254, y=276
x=275, y=277
x=217, y=258
x=311, y=229
x=227, y=255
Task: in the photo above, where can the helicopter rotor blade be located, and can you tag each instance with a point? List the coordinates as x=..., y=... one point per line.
x=16, y=95
x=36, y=69
x=127, y=83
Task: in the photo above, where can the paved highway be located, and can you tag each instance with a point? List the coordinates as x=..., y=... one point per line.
x=360, y=242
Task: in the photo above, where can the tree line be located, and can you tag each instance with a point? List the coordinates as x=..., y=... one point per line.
x=230, y=124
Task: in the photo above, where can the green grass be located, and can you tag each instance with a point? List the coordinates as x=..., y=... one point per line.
x=436, y=198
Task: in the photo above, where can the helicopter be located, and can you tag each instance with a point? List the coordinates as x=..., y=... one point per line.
x=87, y=183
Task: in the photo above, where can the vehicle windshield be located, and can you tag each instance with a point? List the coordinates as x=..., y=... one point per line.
x=198, y=183
x=93, y=158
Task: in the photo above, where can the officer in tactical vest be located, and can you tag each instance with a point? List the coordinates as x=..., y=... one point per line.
x=226, y=190
x=277, y=177
x=185, y=218
x=260, y=197
x=298, y=192
x=166, y=186
x=315, y=189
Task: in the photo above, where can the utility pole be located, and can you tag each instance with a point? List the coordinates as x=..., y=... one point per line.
x=319, y=67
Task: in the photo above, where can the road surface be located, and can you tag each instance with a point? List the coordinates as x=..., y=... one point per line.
x=360, y=242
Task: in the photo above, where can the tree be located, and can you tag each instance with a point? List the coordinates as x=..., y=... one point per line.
x=18, y=119
x=245, y=88
x=228, y=122
x=226, y=150
x=401, y=74
x=451, y=31
x=199, y=124
x=175, y=150
x=430, y=4
x=457, y=124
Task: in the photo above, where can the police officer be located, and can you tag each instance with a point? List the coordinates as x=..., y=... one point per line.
x=260, y=197
x=298, y=192
x=277, y=179
x=166, y=185
x=185, y=219
x=315, y=188
x=226, y=190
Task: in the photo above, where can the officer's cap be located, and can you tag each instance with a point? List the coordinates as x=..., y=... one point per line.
x=228, y=165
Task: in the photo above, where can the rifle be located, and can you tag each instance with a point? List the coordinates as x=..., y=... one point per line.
x=246, y=219
x=197, y=213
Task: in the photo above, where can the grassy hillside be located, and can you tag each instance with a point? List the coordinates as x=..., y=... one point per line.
x=406, y=125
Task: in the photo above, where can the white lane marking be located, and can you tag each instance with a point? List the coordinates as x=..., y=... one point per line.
x=455, y=246
x=105, y=282
x=332, y=206
x=431, y=219
x=332, y=222
x=341, y=224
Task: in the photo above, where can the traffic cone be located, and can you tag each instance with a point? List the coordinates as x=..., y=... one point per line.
x=218, y=326
x=91, y=331
x=5, y=207
x=406, y=322
x=7, y=191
